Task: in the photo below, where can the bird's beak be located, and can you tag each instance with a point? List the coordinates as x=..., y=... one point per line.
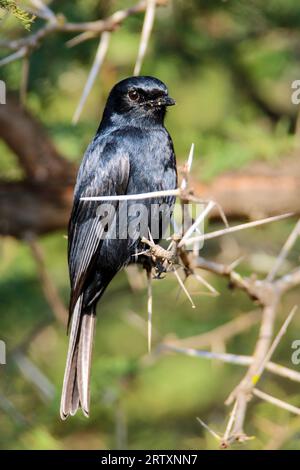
x=164, y=101
x=167, y=101
x=161, y=101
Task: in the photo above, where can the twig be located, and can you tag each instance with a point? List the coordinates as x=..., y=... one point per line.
x=274, y=345
x=235, y=359
x=211, y=431
x=145, y=36
x=284, y=251
x=261, y=349
x=235, y=263
x=149, y=306
x=242, y=394
x=236, y=228
x=227, y=434
x=222, y=214
x=57, y=23
x=47, y=12
x=190, y=159
x=288, y=281
x=222, y=333
x=184, y=288
x=251, y=286
x=276, y=401
x=99, y=58
x=133, y=197
x=203, y=281
x=82, y=37
x=197, y=222
x=187, y=168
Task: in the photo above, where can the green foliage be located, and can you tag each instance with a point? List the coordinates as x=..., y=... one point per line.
x=11, y=7
x=160, y=398
x=215, y=57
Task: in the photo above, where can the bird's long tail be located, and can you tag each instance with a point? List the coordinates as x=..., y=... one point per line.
x=76, y=385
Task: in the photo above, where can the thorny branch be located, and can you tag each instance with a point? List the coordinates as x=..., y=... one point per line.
x=57, y=23
x=266, y=293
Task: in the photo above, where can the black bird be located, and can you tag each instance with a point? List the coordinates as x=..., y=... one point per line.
x=131, y=153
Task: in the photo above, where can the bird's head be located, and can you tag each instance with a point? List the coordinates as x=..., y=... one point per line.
x=138, y=99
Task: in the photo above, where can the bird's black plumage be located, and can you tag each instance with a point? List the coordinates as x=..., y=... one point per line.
x=132, y=153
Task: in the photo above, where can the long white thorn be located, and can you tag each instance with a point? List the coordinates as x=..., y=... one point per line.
x=274, y=345
x=205, y=283
x=149, y=306
x=230, y=422
x=211, y=431
x=99, y=58
x=198, y=221
x=47, y=12
x=276, y=402
x=284, y=251
x=188, y=166
x=133, y=197
x=145, y=36
x=236, y=228
x=184, y=288
x=190, y=158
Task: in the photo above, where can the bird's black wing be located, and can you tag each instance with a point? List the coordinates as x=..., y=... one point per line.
x=104, y=172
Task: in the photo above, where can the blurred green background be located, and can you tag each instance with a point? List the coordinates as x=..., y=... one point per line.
x=229, y=65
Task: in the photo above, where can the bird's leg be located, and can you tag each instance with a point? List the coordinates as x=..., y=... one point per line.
x=158, y=252
x=162, y=259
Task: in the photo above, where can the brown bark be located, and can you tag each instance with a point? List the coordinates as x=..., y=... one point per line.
x=28, y=140
x=37, y=209
x=41, y=202
x=257, y=192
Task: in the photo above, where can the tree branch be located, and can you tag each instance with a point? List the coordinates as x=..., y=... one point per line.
x=34, y=149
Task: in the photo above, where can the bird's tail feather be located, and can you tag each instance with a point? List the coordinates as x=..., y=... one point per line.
x=84, y=360
x=76, y=389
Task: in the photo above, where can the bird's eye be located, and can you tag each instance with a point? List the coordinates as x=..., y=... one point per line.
x=133, y=95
